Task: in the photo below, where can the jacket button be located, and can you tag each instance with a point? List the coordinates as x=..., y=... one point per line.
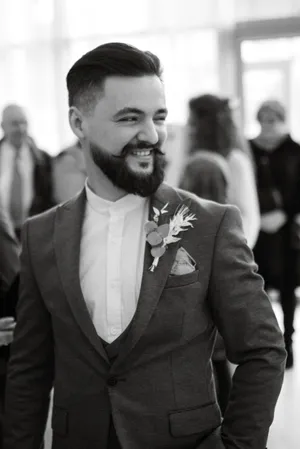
x=112, y=381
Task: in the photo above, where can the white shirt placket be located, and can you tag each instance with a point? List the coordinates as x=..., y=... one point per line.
x=114, y=284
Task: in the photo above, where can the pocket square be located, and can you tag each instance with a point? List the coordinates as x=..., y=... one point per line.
x=183, y=264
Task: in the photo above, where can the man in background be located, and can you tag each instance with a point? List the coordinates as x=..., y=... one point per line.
x=9, y=271
x=25, y=171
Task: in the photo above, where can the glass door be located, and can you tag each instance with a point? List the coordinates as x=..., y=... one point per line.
x=270, y=69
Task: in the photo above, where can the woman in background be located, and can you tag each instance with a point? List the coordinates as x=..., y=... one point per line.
x=211, y=128
x=277, y=161
x=218, y=170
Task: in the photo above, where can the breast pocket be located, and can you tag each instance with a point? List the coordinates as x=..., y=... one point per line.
x=182, y=280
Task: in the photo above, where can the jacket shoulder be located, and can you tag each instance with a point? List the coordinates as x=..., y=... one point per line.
x=204, y=205
x=41, y=224
x=209, y=213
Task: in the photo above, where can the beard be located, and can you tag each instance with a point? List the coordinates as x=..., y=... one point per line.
x=118, y=171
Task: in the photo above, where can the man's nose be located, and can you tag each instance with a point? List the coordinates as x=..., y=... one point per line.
x=149, y=133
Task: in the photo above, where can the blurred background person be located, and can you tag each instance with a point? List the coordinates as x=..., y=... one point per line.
x=211, y=127
x=277, y=160
x=69, y=173
x=9, y=272
x=219, y=168
x=25, y=170
x=207, y=175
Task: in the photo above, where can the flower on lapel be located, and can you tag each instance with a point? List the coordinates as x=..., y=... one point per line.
x=160, y=236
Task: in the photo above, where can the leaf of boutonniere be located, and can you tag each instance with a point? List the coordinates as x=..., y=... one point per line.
x=164, y=209
x=154, y=238
x=171, y=239
x=158, y=251
x=163, y=230
x=150, y=226
x=156, y=211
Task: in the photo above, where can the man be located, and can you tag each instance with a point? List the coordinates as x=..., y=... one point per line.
x=277, y=159
x=25, y=171
x=123, y=327
x=9, y=271
x=69, y=173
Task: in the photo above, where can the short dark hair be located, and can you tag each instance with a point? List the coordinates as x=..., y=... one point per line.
x=214, y=127
x=86, y=77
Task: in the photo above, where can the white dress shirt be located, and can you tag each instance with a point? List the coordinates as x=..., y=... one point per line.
x=26, y=165
x=111, y=260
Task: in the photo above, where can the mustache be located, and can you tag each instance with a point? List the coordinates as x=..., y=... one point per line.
x=140, y=146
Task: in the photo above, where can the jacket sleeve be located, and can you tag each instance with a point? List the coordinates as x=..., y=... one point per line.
x=31, y=366
x=9, y=251
x=253, y=340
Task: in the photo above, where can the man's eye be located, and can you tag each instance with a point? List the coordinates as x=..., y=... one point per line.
x=128, y=119
x=160, y=118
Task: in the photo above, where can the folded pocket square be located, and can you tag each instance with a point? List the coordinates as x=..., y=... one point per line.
x=183, y=264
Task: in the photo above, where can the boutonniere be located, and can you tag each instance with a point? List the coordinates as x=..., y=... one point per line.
x=160, y=236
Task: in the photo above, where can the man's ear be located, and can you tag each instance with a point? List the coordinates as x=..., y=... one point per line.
x=76, y=122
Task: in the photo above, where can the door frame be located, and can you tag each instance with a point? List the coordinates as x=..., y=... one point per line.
x=260, y=30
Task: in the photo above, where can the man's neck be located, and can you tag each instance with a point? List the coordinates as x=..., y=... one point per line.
x=15, y=145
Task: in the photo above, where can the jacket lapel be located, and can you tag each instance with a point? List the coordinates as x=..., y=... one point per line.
x=67, y=236
x=153, y=282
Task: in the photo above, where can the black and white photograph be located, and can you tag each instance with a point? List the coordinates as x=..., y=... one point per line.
x=149, y=224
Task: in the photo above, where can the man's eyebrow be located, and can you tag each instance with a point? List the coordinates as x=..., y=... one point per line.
x=129, y=110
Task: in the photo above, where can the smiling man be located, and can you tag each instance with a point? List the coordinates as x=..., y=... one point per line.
x=123, y=289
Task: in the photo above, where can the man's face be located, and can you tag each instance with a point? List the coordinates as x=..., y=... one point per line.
x=126, y=131
x=269, y=122
x=15, y=126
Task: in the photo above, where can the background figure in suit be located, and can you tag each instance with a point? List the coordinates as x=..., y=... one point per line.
x=25, y=171
x=277, y=160
x=69, y=173
x=9, y=271
x=128, y=348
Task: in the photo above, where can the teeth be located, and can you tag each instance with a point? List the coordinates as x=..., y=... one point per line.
x=141, y=152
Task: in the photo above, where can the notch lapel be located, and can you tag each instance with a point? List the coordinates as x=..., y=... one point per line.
x=153, y=282
x=67, y=236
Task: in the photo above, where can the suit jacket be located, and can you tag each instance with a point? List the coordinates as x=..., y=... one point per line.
x=160, y=388
x=9, y=271
x=42, y=194
x=9, y=250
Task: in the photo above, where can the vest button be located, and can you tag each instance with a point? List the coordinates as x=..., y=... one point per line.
x=112, y=381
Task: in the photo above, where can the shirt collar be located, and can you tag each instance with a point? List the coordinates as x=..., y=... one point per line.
x=120, y=207
x=9, y=147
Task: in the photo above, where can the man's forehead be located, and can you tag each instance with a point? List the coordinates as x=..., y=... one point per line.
x=139, y=92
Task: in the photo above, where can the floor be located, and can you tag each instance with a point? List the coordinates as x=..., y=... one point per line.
x=285, y=431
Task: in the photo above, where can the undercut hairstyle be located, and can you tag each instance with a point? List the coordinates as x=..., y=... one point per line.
x=85, y=79
x=213, y=125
